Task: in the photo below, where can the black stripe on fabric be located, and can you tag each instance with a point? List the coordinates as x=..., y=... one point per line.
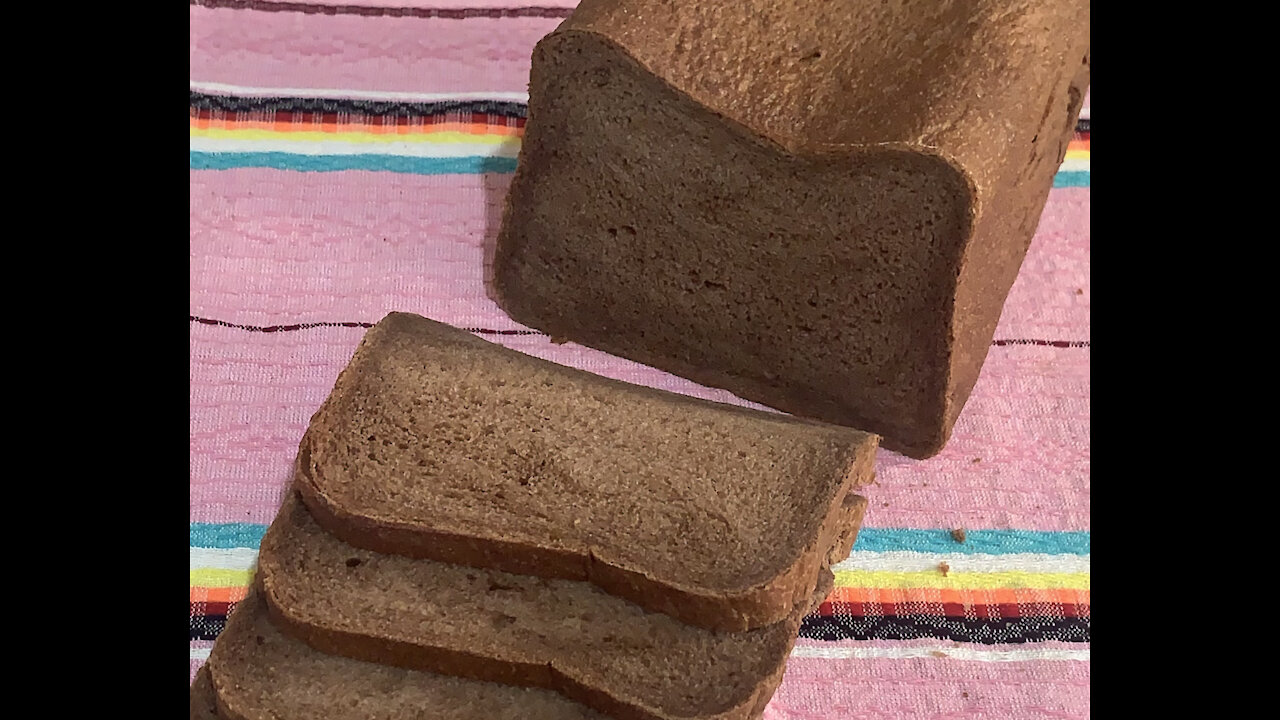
x=887, y=627
x=490, y=331
x=911, y=627
x=365, y=11
x=1043, y=343
x=207, y=627
x=308, y=326
x=379, y=108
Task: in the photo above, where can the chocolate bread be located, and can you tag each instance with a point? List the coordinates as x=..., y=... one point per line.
x=820, y=206
x=436, y=444
x=564, y=635
x=259, y=673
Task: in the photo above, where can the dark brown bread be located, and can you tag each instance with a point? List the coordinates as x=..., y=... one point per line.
x=564, y=635
x=259, y=673
x=820, y=206
x=437, y=444
x=203, y=706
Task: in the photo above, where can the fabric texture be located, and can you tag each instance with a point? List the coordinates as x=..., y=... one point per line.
x=350, y=158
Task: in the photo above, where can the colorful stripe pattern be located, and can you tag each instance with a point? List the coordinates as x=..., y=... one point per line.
x=443, y=136
x=984, y=598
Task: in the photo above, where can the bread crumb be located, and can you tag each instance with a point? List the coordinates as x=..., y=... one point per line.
x=944, y=568
x=558, y=340
x=976, y=460
x=937, y=653
x=884, y=504
x=1079, y=291
x=958, y=535
x=964, y=694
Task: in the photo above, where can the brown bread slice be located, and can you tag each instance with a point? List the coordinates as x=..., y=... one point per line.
x=259, y=673
x=565, y=635
x=820, y=206
x=437, y=444
x=203, y=705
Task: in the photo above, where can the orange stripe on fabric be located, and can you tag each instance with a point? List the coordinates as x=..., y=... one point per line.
x=218, y=594
x=969, y=597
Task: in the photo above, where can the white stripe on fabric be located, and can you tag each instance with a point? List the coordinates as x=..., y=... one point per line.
x=908, y=561
x=224, y=558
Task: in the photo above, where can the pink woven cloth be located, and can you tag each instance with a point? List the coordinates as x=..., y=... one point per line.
x=280, y=247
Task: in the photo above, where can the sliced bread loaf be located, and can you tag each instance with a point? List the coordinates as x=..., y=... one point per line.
x=437, y=444
x=259, y=673
x=820, y=206
x=565, y=635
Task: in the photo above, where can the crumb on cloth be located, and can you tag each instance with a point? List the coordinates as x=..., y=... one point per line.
x=944, y=568
x=958, y=535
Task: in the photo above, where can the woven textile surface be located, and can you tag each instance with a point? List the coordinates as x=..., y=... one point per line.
x=350, y=157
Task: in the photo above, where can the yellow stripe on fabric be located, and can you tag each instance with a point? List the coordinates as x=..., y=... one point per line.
x=220, y=577
x=443, y=137
x=1077, y=154
x=961, y=581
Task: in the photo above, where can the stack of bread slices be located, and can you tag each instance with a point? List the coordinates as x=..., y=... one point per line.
x=476, y=533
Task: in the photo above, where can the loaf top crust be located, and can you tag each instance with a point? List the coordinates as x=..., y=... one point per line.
x=949, y=79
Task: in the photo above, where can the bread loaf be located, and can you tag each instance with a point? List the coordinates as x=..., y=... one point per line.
x=820, y=206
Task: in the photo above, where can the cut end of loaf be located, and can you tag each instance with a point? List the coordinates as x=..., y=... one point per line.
x=643, y=224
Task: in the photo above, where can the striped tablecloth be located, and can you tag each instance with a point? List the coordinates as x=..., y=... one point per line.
x=349, y=157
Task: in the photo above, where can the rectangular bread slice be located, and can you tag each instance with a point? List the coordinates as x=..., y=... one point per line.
x=259, y=673
x=564, y=635
x=437, y=444
x=819, y=206
x=203, y=704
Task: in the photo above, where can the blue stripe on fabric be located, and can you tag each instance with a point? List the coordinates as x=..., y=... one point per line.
x=424, y=166
x=227, y=535
x=1071, y=178
x=995, y=542
x=334, y=163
